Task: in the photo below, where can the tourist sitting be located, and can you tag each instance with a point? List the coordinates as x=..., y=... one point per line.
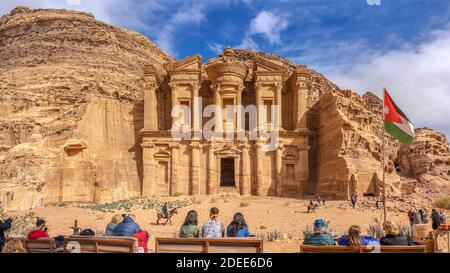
x=40, y=231
x=127, y=227
x=14, y=246
x=4, y=226
x=392, y=235
x=355, y=239
x=320, y=235
x=190, y=228
x=238, y=227
x=213, y=228
x=111, y=226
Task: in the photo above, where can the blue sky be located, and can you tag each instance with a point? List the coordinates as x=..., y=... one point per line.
x=401, y=44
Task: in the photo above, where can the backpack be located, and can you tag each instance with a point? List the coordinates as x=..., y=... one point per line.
x=212, y=229
x=142, y=239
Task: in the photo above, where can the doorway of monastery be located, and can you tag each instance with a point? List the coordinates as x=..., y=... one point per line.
x=227, y=172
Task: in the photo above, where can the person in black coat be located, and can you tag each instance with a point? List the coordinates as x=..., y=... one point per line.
x=436, y=219
x=4, y=226
x=392, y=235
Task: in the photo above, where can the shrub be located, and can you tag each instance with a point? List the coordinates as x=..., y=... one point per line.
x=213, y=200
x=375, y=229
x=244, y=204
x=443, y=203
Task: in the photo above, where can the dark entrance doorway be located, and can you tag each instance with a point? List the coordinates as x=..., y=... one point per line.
x=227, y=172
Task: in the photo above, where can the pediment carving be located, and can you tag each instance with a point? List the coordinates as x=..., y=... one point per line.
x=227, y=150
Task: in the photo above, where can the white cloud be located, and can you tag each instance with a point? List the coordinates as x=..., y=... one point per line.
x=269, y=26
x=216, y=48
x=193, y=14
x=417, y=77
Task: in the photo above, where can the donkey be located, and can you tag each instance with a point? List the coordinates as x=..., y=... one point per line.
x=160, y=216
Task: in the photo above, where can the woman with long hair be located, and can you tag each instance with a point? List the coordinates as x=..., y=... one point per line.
x=190, y=229
x=238, y=227
x=14, y=246
x=355, y=239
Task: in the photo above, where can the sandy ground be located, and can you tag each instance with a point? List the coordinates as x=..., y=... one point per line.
x=262, y=215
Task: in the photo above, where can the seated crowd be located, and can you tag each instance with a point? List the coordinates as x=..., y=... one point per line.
x=214, y=228
x=321, y=236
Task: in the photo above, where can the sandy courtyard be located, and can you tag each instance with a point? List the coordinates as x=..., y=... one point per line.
x=266, y=214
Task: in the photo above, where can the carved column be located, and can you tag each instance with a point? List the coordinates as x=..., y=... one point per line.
x=195, y=175
x=278, y=169
x=148, y=181
x=150, y=107
x=302, y=92
x=239, y=124
x=259, y=107
x=195, y=109
x=173, y=88
x=174, y=168
x=302, y=175
x=245, y=176
x=218, y=113
x=259, y=166
x=278, y=87
x=212, y=187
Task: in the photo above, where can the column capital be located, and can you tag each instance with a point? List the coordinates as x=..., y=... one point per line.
x=195, y=145
x=174, y=145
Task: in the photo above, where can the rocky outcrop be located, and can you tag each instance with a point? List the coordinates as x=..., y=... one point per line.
x=427, y=159
x=349, y=148
x=71, y=91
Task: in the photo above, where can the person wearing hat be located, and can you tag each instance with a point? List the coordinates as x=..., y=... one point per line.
x=320, y=235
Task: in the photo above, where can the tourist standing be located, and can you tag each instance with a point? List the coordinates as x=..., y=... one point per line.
x=442, y=217
x=213, y=228
x=238, y=227
x=435, y=219
x=354, y=199
x=190, y=228
x=4, y=226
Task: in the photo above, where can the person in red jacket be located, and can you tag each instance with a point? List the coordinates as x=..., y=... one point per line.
x=40, y=231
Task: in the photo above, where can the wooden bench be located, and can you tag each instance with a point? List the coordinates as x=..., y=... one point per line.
x=42, y=245
x=204, y=245
x=100, y=244
x=368, y=249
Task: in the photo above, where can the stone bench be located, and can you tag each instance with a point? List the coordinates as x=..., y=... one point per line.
x=42, y=245
x=204, y=245
x=100, y=244
x=368, y=249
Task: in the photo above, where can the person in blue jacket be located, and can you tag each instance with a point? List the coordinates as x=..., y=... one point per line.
x=238, y=227
x=355, y=239
x=128, y=227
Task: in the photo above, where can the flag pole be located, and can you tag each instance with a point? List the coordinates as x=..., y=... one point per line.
x=382, y=162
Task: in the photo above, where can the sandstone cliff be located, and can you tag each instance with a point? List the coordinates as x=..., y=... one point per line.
x=427, y=159
x=71, y=107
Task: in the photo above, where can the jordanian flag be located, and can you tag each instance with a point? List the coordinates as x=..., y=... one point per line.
x=395, y=122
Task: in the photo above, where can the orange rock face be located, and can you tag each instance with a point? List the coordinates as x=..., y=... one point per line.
x=70, y=104
x=428, y=158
